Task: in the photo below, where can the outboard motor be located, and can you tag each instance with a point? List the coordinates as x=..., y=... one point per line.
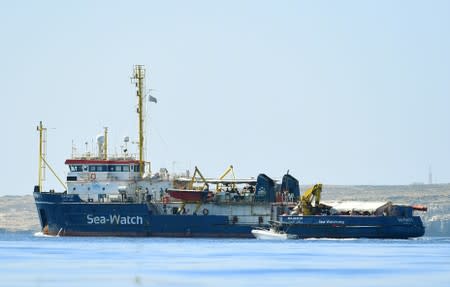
x=291, y=184
x=265, y=188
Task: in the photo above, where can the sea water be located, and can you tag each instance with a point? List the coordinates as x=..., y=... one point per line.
x=28, y=259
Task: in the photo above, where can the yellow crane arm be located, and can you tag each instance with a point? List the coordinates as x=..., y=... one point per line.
x=197, y=171
x=225, y=173
x=307, y=198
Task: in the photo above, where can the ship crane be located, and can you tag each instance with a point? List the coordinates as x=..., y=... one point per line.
x=224, y=174
x=307, y=198
x=305, y=204
x=193, y=180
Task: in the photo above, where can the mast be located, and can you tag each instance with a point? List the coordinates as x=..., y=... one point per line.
x=42, y=161
x=41, y=130
x=138, y=77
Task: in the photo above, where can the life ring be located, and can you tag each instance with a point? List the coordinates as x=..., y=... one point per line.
x=92, y=176
x=205, y=211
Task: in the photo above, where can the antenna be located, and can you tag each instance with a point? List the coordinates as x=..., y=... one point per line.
x=105, y=144
x=430, y=175
x=74, y=149
x=124, y=147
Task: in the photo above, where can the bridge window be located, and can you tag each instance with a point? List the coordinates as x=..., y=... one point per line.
x=93, y=168
x=76, y=168
x=136, y=168
x=118, y=168
x=104, y=168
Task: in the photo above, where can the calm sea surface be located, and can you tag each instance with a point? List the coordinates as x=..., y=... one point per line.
x=31, y=260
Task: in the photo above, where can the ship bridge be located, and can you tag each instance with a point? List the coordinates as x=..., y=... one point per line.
x=96, y=178
x=87, y=170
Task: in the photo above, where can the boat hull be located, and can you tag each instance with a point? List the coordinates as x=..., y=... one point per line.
x=188, y=195
x=271, y=235
x=345, y=226
x=68, y=215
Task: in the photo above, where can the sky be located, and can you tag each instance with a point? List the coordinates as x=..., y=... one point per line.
x=338, y=92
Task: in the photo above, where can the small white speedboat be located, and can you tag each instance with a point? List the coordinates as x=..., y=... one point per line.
x=271, y=234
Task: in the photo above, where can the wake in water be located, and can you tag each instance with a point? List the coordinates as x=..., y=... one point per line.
x=331, y=239
x=41, y=234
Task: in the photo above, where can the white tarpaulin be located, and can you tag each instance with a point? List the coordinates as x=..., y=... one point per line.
x=356, y=206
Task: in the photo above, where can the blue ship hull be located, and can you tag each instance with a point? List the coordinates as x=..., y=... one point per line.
x=354, y=226
x=63, y=214
x=68, y=215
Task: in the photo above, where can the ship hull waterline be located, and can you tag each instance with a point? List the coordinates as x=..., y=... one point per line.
x=63, y=215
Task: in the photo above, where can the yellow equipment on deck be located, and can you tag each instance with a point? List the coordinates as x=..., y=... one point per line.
x=194, y=179
x=307, y=199
x=226, y=172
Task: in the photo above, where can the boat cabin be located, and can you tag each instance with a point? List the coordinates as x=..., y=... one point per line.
x=82, y=170
x=97, y=178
